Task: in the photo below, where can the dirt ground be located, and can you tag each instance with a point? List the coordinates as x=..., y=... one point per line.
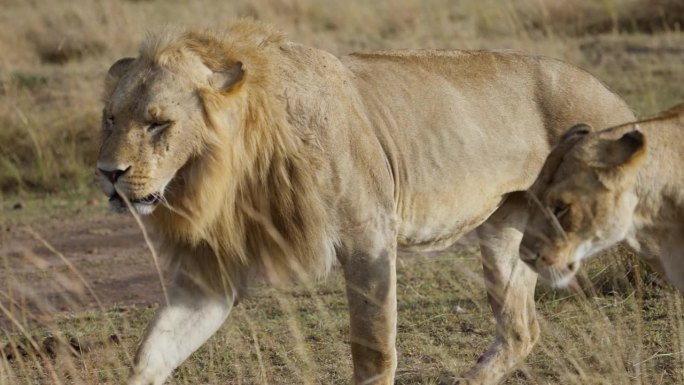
x=106, y=249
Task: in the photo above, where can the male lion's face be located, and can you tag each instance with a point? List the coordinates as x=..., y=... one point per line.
x=586, y=205
x=153, y=123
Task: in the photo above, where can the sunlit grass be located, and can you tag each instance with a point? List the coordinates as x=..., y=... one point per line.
x=57, y=52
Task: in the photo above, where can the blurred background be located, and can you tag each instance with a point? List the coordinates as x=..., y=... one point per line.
x=77, y=284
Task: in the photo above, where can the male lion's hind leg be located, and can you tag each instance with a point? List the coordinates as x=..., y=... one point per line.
x=178, y=329
x=510, y=288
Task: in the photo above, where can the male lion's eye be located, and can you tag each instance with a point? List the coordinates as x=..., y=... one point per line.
x=156, y=127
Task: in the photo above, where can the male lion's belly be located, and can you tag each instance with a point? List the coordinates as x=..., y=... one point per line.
x=436, y=222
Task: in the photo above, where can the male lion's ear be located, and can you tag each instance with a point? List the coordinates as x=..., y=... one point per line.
x=621, y=152
x=229, y=79
x=116, y=72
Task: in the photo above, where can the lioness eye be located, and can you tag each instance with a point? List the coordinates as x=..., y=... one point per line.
x=108, y=122
x=156, y=127
x=560, y=208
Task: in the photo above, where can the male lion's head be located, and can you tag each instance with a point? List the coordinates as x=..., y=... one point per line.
x=155, y=117
x=583, y=200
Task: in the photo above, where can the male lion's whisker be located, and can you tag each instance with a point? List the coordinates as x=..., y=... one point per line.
x=148, y=242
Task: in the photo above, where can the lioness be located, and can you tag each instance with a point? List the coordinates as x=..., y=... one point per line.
x=600, y=188
x=258, y=158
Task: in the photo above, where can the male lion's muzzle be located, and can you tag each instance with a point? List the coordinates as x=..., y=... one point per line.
x=112, y=174
x=119, y=197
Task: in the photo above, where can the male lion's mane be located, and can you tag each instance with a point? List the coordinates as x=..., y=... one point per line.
x=251, y=198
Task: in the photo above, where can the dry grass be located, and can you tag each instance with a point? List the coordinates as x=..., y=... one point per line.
x=55, y=54
x=630, y=331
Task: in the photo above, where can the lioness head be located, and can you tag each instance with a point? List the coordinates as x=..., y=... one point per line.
x=154, y=119
x=583, y=200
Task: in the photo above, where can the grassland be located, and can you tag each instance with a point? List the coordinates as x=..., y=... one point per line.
x=55, y=54
x=627, y=328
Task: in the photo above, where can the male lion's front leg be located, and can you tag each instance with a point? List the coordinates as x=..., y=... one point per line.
x=371, y=290
x=178, y=329
x=510, y=288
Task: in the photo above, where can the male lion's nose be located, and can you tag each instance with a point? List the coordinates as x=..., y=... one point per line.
x=113, y=174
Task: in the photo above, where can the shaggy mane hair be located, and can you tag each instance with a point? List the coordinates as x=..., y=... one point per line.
x=251, y=198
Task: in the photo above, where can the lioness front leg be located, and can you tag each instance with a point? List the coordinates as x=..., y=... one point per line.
x=371, y=290
x=178, y=329
x=510, y=289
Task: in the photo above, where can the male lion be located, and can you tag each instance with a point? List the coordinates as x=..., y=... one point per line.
x=258, y=158
x=600, y=188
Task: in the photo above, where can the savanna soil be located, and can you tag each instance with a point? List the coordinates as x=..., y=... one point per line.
x=84, y=258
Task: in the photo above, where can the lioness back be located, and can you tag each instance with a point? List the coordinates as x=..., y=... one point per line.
x=455, y=122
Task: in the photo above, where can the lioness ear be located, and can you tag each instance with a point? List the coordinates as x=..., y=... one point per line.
x=116, y=72
x=230, y=79
x=575, y=132
x=621, y=152
x=555, y=158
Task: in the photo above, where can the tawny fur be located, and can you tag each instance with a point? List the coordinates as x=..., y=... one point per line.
x=275, y=158
x=251, y=197
x=619, y=184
